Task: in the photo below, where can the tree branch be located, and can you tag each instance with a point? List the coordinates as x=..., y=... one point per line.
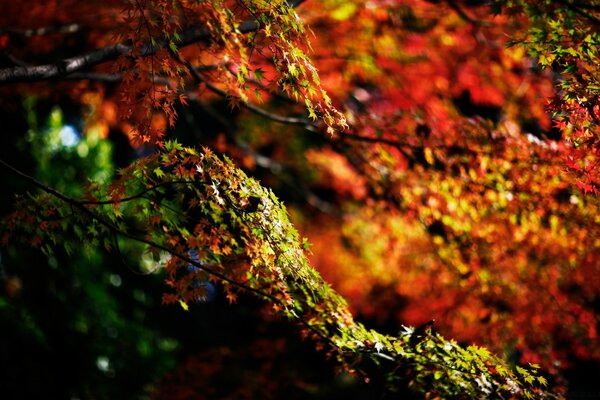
x=63, y=67
x=306, y=124
x=80, y=205
x=109, y=53
x=68, y=28
x=461, y=13
x=137, y=195
x=579, y=9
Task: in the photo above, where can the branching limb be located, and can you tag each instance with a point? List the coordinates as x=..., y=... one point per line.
x=257, y=110
x=68, y=28
x=81, y=206
x=63, y=67
x=582, y=10
x=137, y=195
x=110, y=53
x=282, y=171
x=116, y=78
x=395, y=143
x=115, y=230
x=454, y=5
x=321, y=310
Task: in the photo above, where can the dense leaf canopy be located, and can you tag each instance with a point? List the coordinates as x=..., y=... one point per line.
x=439, y=158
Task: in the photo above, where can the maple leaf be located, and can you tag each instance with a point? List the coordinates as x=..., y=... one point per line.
x=586, y=187
x=443, y=182
x=231, y=297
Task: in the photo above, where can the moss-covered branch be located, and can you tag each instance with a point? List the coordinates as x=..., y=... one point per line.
x=237, y=233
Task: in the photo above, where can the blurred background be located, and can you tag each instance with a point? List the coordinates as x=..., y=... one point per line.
x=445, y=199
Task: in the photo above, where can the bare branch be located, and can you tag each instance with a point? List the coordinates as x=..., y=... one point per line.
x=63, y=67
x=116, y=78
x=12, y=59
x=69, y=28
x=282, y=171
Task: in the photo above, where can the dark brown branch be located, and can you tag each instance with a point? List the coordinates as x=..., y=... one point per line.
x=116, y=78
x=12, y=59
x=579, y=9
x=63, y=67
x=35, y=182
x=110, y=53
x=183, y=257
x=69, y=28
x=394, y=143
x=95, y=76
x=462, y=13
x=257, y=110
x=113, y=228
x=137, y=195
x=280, y=170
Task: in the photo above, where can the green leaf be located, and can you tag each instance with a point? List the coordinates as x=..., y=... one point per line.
x=293, y=70
x=259, y=74
x=173, y=47
x=158, y=172
x=78, y=231
x=92, y=230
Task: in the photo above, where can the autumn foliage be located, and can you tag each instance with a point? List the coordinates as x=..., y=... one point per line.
x=438, y=161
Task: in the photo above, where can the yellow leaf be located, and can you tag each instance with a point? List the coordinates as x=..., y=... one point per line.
x=429, y=156
x=344, y=12
x=184, y=305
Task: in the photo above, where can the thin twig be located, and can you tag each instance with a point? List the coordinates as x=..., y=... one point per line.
x=578, y=9
x=257, y=110
x=463, y=14
x=135, y=196
x=69, y=28
x=184, y=257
